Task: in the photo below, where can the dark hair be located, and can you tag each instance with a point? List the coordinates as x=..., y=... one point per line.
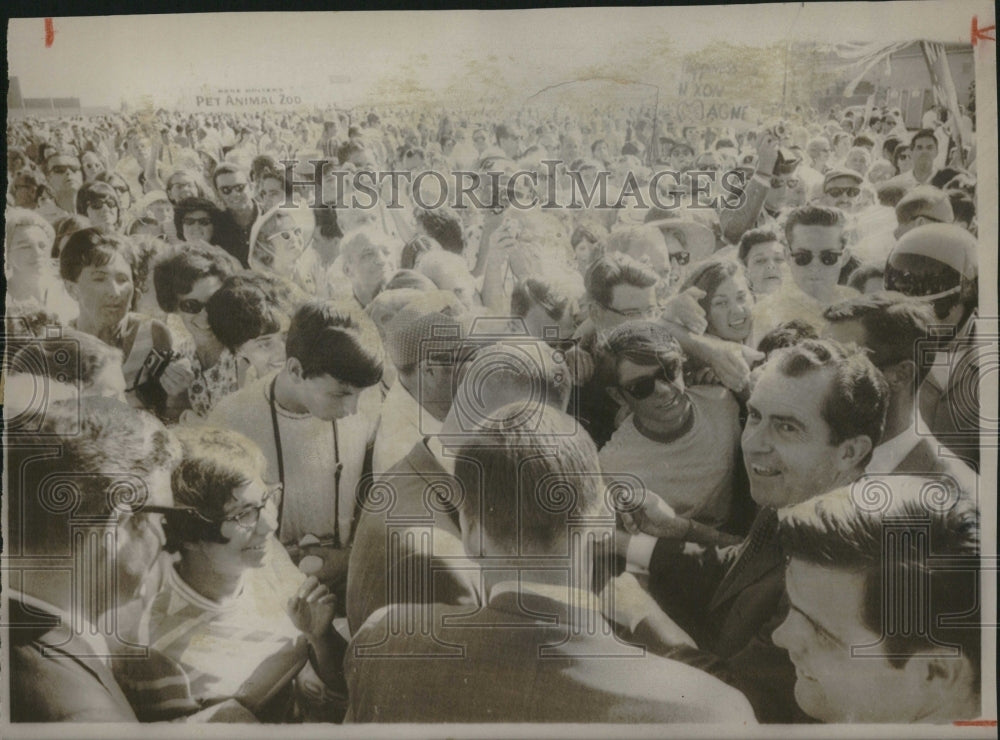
x=107, y=453
x=812, y=215
x=859, y=394
x=862, y=274
x=214, y=464
x=539, y=292
x=177, y=273
x=242, y=310
x=337, y=340
x=513, y=473
x=709, y=275
x=264, y=163
x=898, y=152
x=863, y=141
x=113, y=177
x=614, y=269
x=414, y=249
x=786, y=334
x=962, y=205
x=893, y=324
x=835, y=531
x=444, y=226
x=752, y=238
x=644, y=343
x=190, y=205
x=924, y=133
x=327, y=223
x=226, y=168
x=97, y=188
x=91, y=247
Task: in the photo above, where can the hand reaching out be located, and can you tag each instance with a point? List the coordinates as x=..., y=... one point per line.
x=311, y=609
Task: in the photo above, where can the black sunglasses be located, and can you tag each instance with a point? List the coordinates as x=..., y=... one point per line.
x=681, y=258
x=828, y=257
x=851, y=192
x=644, y=387
x=229, y=189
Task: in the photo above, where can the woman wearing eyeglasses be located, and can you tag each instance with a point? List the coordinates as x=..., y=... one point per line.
x=232, y=609
x=184, y=282
x=277, y=245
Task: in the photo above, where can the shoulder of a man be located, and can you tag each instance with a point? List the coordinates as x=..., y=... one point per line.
x=240, y=407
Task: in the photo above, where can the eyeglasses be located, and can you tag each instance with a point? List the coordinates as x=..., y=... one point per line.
x=191, y=305
x=230, y=189
x=62, y=169
x=188, y=221
x=248, y=518
x=781, y=182
x=635, y=313
x=850, y=192
x=681, y=258
x=828, y=257
x=644, y=387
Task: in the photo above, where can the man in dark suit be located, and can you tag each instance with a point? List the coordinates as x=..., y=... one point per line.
x=537, y=650
x=86, y=476
x=815, y=414
x=891, y=327
x=407, y=547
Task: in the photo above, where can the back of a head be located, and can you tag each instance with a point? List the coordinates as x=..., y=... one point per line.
x=444, y=226
x=527, y=484
x=927, y=201
x=73, y=357
x=109, y=453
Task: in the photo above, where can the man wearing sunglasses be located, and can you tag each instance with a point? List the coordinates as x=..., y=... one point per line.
x=842, y=189
x=241, y=211
x=816, y=252
x=64, y=174
x=682, y=442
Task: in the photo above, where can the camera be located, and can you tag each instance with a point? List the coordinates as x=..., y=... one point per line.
x=147, y=388
x=787, y=160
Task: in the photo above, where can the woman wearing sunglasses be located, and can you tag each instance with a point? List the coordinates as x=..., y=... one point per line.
x=98, y=201
x=277, y=244
x=232, y=609
x=196, y=219
x=184, y=282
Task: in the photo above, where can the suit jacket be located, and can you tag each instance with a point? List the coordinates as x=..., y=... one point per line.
x=55, y=676
x=730, y=600
x=925, y=458
x=517, y=659
x=950, y=405
x=407, y=545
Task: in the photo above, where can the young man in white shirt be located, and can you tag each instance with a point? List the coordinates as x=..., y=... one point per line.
x=314, y=420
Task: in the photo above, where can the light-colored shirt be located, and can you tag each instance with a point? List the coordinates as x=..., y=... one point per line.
x=694, y=473
x=309, y=460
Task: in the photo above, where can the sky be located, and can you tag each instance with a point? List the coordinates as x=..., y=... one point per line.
x=341, y=55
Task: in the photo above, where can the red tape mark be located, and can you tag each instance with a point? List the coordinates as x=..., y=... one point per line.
x=975, y=723
x=981, y=33
x=50, y=32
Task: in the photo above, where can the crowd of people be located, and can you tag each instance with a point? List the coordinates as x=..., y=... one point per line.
x=614, y=434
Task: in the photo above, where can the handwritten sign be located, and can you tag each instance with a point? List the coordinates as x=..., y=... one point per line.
x=700, y=101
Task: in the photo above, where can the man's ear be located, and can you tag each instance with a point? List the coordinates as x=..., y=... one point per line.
x=945, y=678
x=851, y=452
x=294, y=369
